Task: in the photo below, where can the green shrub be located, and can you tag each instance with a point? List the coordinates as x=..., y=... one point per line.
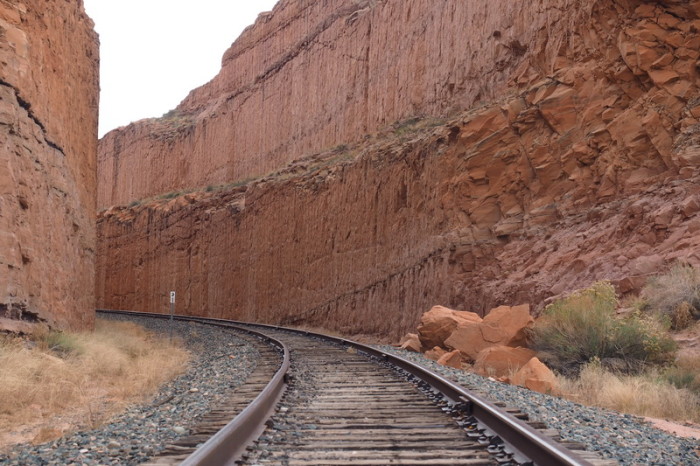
x=675, y=295
x=63, y=344
x=681, y=378
x=685, y=373
x=583, y=327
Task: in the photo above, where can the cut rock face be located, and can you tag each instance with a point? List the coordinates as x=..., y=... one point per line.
x=49, y=93
x=438, y=323
x=319, y=43
x=577, y=167
x=505, y=326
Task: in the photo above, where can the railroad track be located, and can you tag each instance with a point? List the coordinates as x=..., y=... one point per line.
x=237, y=400
x=343, y=408
x=325, y=401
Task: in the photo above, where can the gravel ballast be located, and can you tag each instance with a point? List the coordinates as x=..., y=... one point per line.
x=622, y=437
x=220, y=361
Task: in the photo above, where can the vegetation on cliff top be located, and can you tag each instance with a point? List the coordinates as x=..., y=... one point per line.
x=309, y=165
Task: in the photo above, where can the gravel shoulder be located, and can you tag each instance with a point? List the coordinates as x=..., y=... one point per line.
x=221, y=361
x=623, y=437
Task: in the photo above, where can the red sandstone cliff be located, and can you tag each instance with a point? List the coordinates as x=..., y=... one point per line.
x=313, y=74
x=586, y=168
x=48, y=149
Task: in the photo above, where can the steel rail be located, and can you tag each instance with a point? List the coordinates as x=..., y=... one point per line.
x=525, y=443
x=229, y=444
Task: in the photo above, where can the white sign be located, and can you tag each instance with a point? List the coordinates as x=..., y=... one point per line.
x=172, y=297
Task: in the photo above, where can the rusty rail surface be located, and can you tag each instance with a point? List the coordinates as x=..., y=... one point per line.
x=526, y=444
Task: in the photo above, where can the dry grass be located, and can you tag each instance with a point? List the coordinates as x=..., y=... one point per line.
x=58, y=381
x=649, y=394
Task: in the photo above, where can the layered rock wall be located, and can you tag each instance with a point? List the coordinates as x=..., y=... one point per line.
x=49, y=94
x=311, y=75
x=587, y=171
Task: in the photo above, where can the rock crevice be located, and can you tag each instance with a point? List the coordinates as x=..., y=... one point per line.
x=28, y=107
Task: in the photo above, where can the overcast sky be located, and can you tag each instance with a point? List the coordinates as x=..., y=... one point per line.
x=153, y=52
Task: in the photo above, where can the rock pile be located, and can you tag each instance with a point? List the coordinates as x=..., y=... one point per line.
x=495, y=346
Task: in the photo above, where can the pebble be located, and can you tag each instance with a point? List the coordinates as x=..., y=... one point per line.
x=144, y=430
x=622, y=437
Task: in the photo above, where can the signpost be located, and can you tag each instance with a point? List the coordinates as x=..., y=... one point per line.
x=172, y=313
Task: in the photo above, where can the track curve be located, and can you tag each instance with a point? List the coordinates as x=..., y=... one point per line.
x=346, y=403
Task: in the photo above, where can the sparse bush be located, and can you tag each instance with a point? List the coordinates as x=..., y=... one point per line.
x=682, y=316
x=675, y=294
x=404, y=126
x=582, y=327
x=170, y=195
x=681, y=378
x=239, y=183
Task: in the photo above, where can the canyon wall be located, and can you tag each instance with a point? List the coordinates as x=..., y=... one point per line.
x=313, y=74
x=49, y=94
x=587, y=168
